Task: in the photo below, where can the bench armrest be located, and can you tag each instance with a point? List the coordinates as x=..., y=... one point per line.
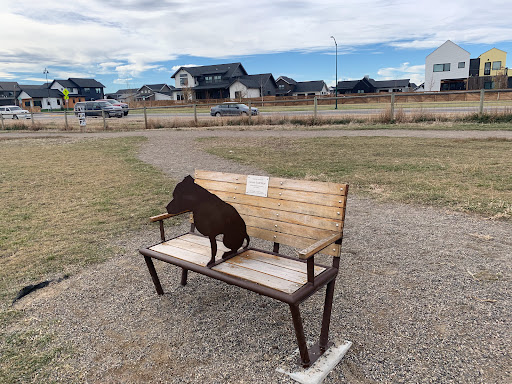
x=164, y=216
x=318, y=246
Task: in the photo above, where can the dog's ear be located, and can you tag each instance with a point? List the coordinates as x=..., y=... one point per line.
x=188, y=179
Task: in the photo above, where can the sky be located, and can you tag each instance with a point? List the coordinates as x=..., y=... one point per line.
x=129, y=43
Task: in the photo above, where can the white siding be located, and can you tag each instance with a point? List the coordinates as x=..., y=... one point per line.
x=246, y=92
x=161, y=96
x=191, y=80
x=447, y=53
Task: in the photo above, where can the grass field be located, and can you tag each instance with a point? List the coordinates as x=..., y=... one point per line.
x=62, y=203
x=466, y=175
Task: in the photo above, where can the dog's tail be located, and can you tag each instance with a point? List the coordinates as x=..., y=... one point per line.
x=248, y=240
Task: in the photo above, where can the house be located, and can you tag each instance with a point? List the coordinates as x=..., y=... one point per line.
x=40, y=96
x=488, y=71
x=492, y=63
x=289, y=87
x=8, y=92
x=90, y=89
x=155, y=92
x=369, y=85
x=206, y=82
x=124, y=95
x=251, y=86
x=447, y=68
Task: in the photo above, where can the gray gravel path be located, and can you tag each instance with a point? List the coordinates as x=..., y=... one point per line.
x=424, y=294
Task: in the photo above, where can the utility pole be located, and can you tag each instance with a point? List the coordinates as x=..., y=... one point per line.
x=336, y=92
x=47, y=87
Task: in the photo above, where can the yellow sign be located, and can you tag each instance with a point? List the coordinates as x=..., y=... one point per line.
x=65, y=92
x=66, y=97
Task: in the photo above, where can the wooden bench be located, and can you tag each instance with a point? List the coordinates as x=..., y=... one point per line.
x=306, y=215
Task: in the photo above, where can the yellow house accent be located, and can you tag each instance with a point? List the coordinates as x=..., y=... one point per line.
x=493, y=62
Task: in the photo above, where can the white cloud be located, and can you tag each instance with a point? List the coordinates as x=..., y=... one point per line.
x=176, y=67
x=97, y=36
x=415, y=72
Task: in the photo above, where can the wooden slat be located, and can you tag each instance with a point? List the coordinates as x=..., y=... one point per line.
x=293, y=241
x=289, y=217
x=180, y=253
x=278, y=193
x=276, y=182
x=295, y=265
x=334, y=213
x=283, y=227
x=258, y=277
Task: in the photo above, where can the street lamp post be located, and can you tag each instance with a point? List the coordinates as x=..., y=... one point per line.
x=47, y=87
x=336, y=92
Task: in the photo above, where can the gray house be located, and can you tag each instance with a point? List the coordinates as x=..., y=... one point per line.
x=289, y=87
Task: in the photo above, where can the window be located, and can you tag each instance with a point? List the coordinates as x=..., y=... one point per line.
x=87, y=89
x=208, y=79
x=38, y=103
x=487, y=68
x=489, y=84
x=98, y=90
x=496, y=65
x=281, y=86
x=442, y=67
x=58, y=102
x=462, y=64
x=217, y=78
x=184, y=80
x=27, y=103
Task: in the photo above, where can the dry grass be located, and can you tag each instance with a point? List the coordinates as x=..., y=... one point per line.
x=467, y=175
x=62, y=203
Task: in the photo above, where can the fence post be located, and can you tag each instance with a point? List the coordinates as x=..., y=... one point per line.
x=392, y=106
x=316, y=106
x=104, y=121
x=66, y=118
x=482, y=97
x=145, y=118
x=32, y=117
x=195, y=114
x=2, y=118
x=250, y=112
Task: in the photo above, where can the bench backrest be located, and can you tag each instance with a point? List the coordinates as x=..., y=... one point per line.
x=295, y=212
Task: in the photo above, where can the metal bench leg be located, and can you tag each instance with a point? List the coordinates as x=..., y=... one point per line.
x=301, y=339
x=184, y=275
x=326, y=320
x=154, y=276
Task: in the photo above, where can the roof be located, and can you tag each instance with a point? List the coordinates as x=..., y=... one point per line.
x=157, y=87
x=348, y=84
x=126, y=90
x=86, y=83
x=65, y=83
x=256, y=81
x=309, y=86
x=32, y=86
x=390, y=83
x=43, y=92
x=8, y=85
x=289, y=80
x=448, y=42
x=225, y=69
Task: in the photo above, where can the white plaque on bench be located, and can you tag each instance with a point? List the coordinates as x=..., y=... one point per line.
x=257, y=186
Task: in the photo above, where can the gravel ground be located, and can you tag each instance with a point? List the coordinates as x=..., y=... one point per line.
x=424, y=294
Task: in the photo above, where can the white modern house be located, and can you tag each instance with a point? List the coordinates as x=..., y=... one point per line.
x=447, y=68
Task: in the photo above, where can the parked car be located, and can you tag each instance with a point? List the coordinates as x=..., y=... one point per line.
x=124, y=106
x=232, y=109
x=96, y=108
x=14, y=112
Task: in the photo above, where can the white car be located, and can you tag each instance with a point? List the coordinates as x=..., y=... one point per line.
x=14, y=112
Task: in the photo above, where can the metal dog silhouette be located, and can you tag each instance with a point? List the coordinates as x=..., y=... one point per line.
x=212, y=216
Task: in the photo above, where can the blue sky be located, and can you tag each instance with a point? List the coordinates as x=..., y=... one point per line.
x=128, y=43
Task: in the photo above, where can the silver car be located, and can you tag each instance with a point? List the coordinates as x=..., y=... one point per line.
x=232, y=109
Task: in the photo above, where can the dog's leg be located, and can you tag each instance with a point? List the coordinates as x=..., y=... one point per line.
x=213, y=244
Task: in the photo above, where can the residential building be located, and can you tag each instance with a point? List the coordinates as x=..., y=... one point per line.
x=40, y=96
x=447, y=68
x=124, y=95
x=287, y=86
x=90, y=89
x=492, y=63
x=8, y=92
x=155, y=92
x=369, y=85
x=206, y=82
x=251, y=86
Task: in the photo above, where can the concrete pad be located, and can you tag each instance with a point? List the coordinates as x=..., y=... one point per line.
x=321, y=368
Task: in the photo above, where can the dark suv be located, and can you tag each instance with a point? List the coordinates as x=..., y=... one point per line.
x=96, y=108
